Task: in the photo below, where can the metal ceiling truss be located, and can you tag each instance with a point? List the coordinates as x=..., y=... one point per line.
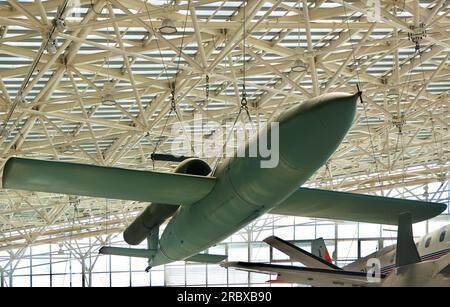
x=59, y=62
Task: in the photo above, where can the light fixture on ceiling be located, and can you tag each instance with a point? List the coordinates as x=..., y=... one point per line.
x=108, y=100
x=392, y=93
x=3, y=31
x=168, y=27
x=66, y=150
x=52, y=46
x=61, y=250
x=298, y=66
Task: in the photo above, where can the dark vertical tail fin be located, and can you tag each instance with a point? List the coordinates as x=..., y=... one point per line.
x=319, y=249
x=406, y=248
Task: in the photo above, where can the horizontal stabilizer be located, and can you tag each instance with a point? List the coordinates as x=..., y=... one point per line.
x=207, y=258
x=443, y=266
x=127, y=252
x=105, y=182
x=297, y=254
x=355, y=207
x=307, y=276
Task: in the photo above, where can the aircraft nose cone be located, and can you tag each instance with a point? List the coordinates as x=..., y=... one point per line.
x=311, y=132
x=336, y=113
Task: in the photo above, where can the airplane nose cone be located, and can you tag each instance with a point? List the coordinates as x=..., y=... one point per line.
x=336, y=112
x=312, y=131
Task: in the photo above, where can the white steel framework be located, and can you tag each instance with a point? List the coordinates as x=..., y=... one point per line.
x=91, y=83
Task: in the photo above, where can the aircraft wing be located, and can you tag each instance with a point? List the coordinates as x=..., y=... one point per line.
x=147, y=253
x=297, y=254
x=355, y=207
x=307, y=276
x=105, y=182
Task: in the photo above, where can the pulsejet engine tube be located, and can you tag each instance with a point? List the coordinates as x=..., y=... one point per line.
x=156, y=214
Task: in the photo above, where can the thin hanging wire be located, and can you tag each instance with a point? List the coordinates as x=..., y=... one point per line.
x=244, y=102
x=108, y=59
x=439, y=149
x=158, y=142
x=402, y=144
x=173, y=108
x=404, y=90
x=182, y=43
x=244, y=94
x=157, y=42
x=299, y=21
x=206, y=91
x=216, y=164
x=72, y=229
x=175, y=81
x=361, y=96
x=106, y=220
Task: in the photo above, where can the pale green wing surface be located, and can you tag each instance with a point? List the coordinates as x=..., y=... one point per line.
x=105, y=182
x=207, y=258
x=355, y=207
x=127, y=252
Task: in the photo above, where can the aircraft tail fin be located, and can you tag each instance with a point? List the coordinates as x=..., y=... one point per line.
x=406, y=248
x=319, y=249
x=127, y=252
x=207, y=258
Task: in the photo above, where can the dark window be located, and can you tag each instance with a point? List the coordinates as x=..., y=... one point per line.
x=442, y=236
x=427, y=243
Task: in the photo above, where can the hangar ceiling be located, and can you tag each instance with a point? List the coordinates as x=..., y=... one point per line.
x=92, y=83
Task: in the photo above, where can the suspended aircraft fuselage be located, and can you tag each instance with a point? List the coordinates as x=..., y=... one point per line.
x=308, y=136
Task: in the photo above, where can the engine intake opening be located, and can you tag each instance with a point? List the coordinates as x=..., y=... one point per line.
x=194, y=166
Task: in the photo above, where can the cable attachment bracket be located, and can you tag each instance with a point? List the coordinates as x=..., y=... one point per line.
x=417, y=34
x=399, y=122
x=244, y=106
x=207, y=88
x=244, y=101
x=173, y=106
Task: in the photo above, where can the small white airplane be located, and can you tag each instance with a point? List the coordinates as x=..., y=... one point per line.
x=407, y=264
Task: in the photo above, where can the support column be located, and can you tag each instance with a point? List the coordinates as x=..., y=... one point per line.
x=336, y=236
x=83, y=273
x=2, y=278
